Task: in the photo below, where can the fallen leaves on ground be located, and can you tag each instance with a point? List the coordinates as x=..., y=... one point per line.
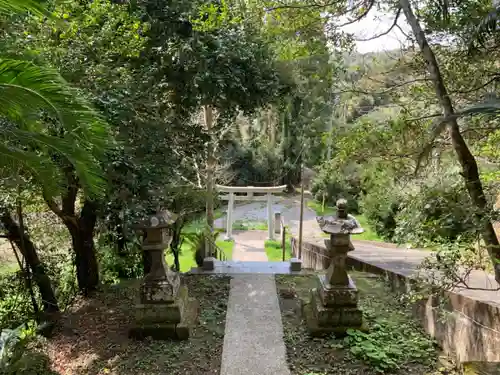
x=93, y=335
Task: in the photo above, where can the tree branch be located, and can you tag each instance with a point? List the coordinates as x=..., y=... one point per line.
x=424, y=117
x=385, y=91
x=495, y=78
x=54, y=207
x=385, y=32
x=361, y=16
x=402, y=32
x=308, y=6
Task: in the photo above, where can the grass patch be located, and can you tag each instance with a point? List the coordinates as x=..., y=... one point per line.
x=186, y=257
x=275, y=252
x=369, y=234
x=95, y=340
x=249, y=225
x=394, y=342
x=200, y=222
x=227, y=247
x=319, y=209
x=8, y=262
x=8, y=268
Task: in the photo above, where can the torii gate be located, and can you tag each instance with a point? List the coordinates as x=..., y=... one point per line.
x=250, y=190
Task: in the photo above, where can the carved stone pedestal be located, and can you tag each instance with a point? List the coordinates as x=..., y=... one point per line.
x=333, y=309
x=164, y=309
x=165, y=319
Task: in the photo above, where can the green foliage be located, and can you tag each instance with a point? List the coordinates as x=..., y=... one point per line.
x=197, y=241
x=388, y=344
x=453, y=263
x=254, y=164
x=20, y=6
x=15, y=305
x=439, y=210
x=380, y=203
x=18, y=354
x=333, y=183
x=393, y=339
x=117, y=265
x=380, y=208
x=12, y=345
x=213, y=16
x=26, y=91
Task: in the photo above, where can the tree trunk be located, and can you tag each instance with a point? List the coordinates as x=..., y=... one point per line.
x=211, y=164
x=175, y=245
x=470, y=170
x=271, y=127
x=81, y=228
x=29, y=252
x=82, y=238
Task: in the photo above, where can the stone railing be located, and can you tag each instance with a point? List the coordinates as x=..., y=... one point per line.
x=314, y=256
x=470, y=331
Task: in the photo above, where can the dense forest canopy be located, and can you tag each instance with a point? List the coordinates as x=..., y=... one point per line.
x=111, y=110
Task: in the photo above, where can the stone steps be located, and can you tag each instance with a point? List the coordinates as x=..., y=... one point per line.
x=235, y=267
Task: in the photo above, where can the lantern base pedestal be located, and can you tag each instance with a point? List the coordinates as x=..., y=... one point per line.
x=162, y=321
x=332, y=309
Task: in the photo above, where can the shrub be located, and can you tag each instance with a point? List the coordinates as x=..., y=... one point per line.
x=114, y=266
x=333, y=182
x=18, y=354
x=380, y=202
x=15, y=304
x=437, y=211
x=380, y=209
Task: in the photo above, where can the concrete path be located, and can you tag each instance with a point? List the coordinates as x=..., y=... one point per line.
x=249, y=246
x=253, y=340
x=290, y=211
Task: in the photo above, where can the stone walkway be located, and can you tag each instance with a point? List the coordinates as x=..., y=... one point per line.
x=253, y=340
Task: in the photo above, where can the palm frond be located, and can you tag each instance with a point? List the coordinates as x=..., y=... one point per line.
x=486, y=28
x=489, y=108
x=21, y=6
x=14, y=159
x=27, y=92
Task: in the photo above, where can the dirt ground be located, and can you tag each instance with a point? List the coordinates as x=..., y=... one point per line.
x=329, y=356
x=93, y=335
x=7, y=259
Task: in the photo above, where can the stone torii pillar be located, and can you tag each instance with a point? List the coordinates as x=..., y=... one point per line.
x=229, y=218
x=250, y=196
x=270, y=217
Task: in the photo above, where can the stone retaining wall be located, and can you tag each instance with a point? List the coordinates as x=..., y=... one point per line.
x=469, y=331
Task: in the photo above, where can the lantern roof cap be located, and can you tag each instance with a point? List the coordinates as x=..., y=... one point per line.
x=335, y=225
x=341, y=223
x=161, y=219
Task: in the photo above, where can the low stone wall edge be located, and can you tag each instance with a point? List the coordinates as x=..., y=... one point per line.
x=470, y=330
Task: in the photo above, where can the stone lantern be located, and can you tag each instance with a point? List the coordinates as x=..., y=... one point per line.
x=164, y=309
x=333, y=307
